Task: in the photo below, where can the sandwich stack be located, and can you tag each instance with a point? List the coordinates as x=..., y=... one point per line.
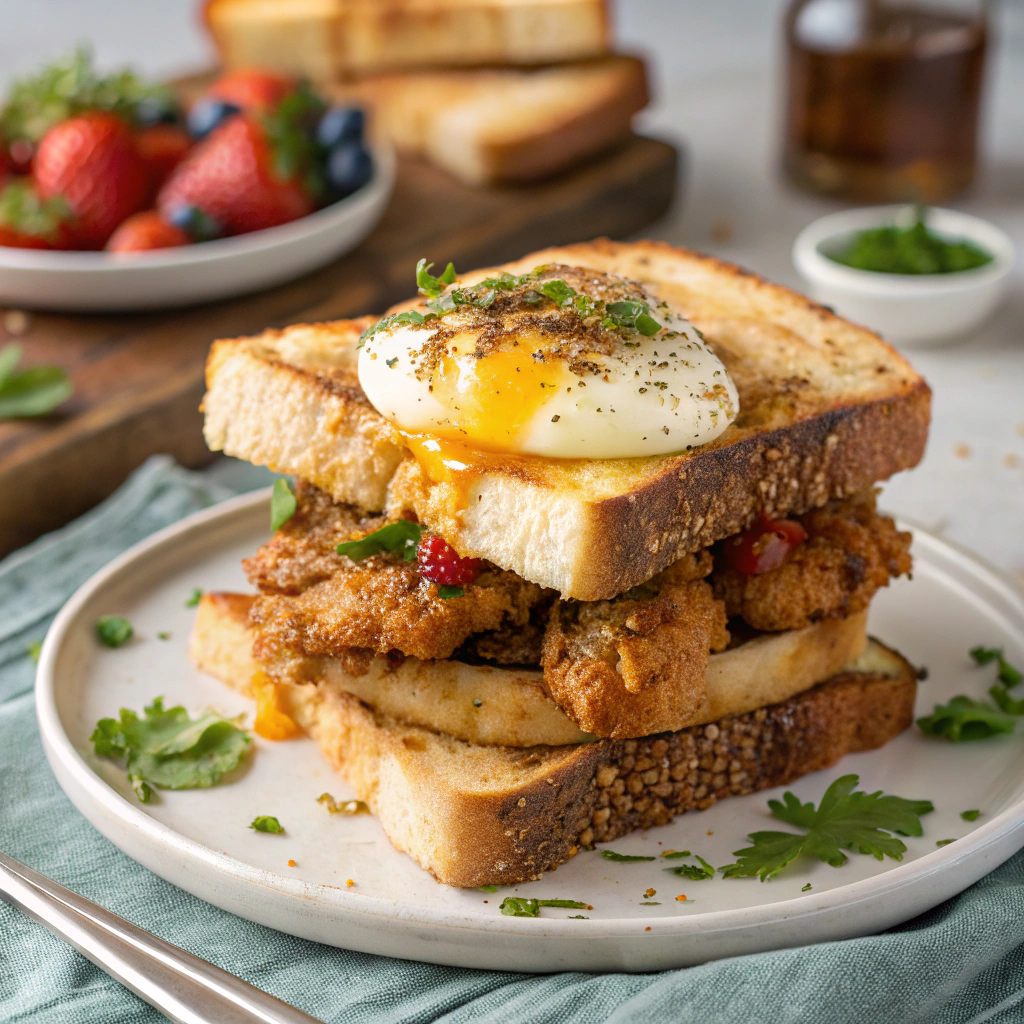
x=579, y=544
x=490, y=90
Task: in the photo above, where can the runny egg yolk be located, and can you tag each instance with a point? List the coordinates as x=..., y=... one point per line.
x=491, y=400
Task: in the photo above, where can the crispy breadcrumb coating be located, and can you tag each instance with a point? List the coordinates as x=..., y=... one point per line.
x=618, y=667
x=850, y=553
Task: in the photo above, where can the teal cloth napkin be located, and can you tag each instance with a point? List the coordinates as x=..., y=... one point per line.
x=963, y=962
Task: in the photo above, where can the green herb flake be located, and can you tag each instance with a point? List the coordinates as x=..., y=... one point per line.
x=33, y=650
x=195, y=597
x=1008, y=675
x=650, y=903
x=806, y=888
x=113, y=630
x=524, y=906
x=944, y=842
x=676, y=854
x=846, y=819
x=167, y=749
x=163, y=636
x=266, y=823
x=622, y=858
x=282, y=504
x=970, y=815
x=488, y=888
x=909, y=250
x=446, y=591
x=428, y=284
x=578, y=917
x=36, y=391
x=964, y=718
x=694, y=872
x=398, y=538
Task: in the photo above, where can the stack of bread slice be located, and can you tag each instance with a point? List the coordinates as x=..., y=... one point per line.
x=492, y=91
x=610, y=665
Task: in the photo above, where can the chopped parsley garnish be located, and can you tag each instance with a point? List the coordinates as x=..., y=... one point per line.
x=1008, y=675
x=343, y=806
x=578, y=917
x=806, y=888
x=36, y=391
x=846, y=819
x=428, y=284
x=523, y=906
x=163, y=635
x=266, y=823
x=622, y=858
x=676, y=854
x=194, y=598
x=944, y=842
x=629, y=315
x=113, y=630
x=488, y=888
x=33, y=650
x=964, y=718
x=695, y=872
x=970, y=815
x=167, y=749
x=398, y=538
x=282, y=504
x=446, y=591
x=909, y=250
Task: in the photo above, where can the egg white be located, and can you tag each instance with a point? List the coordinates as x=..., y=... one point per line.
x=660, y=394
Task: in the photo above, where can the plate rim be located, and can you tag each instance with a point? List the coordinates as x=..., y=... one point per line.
x=57, y=744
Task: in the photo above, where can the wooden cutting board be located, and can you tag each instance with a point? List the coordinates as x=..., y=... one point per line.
x=139, y=377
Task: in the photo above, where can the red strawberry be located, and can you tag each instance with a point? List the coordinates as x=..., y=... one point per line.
x=28, y=222
x=252, y=89
x=19, y=240
x=146, y=230
x=162, y=148
x=91, y=161
x=232, y=176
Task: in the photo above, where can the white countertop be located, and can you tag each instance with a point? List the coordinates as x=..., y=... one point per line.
x=716, y=76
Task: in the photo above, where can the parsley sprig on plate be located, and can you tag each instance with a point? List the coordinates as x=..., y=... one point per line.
x=166, y=748
x=846, y=819
x=965, y=718
x=524, y=906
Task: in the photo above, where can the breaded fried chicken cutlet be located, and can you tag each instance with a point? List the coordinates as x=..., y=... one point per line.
x=613, y=499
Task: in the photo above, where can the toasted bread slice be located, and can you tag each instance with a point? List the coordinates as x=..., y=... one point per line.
x=506, y=125
x=323, y=39
x=514, y=707
x=496, y=815
x=826, y=410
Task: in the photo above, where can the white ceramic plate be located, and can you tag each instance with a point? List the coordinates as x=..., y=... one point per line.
x=92, y=281
x=199, y=839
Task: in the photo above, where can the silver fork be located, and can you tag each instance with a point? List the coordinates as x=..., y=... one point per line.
x=181, y=986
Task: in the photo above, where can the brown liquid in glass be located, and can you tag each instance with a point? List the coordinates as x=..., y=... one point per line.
x=892, y=115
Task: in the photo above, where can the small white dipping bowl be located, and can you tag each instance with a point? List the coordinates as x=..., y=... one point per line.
x=916, y=310
x=189, y=274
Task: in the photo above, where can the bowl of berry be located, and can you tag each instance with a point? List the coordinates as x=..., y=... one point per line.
x=114, y=195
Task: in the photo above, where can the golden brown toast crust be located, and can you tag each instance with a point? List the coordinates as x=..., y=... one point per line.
x=827, y=410
x=475, y=815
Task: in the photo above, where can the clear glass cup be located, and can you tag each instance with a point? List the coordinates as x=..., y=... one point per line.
x=883, y=97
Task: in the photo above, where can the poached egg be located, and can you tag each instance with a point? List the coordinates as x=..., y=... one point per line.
x=563, y=362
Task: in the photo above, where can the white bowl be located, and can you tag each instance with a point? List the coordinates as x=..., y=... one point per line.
x=907, y=309
x=190, y=274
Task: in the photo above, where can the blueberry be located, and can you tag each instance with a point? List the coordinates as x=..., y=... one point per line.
x=349, y=167
x=340, y=124
x=207, y=113
x=199, y=226
x=151, y=110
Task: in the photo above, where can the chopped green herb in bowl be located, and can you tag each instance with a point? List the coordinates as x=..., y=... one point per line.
x=911, y=249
